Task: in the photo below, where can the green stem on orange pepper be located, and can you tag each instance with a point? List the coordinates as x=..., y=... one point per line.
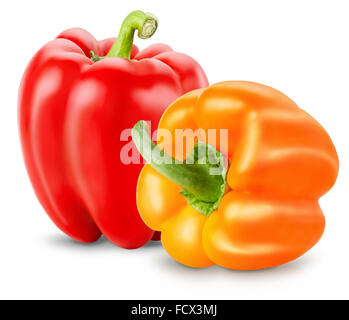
x=202, y=175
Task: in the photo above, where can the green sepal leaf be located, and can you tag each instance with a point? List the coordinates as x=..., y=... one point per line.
x=206, y=155
x=95, y=57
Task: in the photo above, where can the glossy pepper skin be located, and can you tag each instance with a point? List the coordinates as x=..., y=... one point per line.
x=281, y=161
x=72, y=112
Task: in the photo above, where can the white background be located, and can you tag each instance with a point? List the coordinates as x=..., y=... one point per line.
x=298, y=47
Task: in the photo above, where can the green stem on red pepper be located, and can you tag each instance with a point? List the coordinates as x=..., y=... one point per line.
x=145, y=23
x=202, y=175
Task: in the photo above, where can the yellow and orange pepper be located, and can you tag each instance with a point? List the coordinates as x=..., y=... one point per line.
x=263, y=210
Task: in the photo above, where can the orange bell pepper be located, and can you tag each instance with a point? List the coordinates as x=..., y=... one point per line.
x=262, y=209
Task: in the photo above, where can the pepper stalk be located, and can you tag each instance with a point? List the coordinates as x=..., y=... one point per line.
x=145, y=23
x=203, y=180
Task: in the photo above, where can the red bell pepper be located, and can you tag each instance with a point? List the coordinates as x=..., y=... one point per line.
x=72, y=111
